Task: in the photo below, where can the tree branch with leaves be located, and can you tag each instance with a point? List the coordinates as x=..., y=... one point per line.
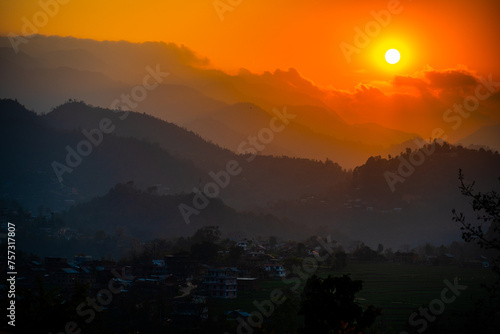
x=487, y=207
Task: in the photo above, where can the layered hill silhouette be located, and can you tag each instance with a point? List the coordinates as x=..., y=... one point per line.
x=417, y=209
x=165, y=163
x=222, y=108
x=75, y=147
x=487, y=136
x=148, y=151
x=146, y=216
x=30, y=146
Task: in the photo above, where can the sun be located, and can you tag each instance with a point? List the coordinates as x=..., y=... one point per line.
x=392, y=56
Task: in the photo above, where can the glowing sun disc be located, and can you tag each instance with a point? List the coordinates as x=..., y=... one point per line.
x=392, y=56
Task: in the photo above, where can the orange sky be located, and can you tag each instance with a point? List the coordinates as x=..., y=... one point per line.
x=446, y=47
x=265, y=35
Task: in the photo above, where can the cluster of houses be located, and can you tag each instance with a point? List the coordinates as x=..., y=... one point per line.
x=177, y=276
x=180, y=271
x=58, y=272
x=173, y=270
x=171, y=278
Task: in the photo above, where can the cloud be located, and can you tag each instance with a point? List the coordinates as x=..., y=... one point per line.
x=458, y=79
x=364, y=92
x=417, y=102
x=408, y=81
x=450, y=79
x=412, y=103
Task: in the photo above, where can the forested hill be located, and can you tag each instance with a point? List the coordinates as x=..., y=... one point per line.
x=140, y=148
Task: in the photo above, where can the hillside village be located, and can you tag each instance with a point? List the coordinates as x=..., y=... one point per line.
x=183, y=283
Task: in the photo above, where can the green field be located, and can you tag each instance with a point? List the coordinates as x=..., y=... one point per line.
x=397, y=289
x=400, y=289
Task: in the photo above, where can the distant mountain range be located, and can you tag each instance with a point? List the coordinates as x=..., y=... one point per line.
x=143, y=149
x=166, y=162
x=488, y=136
x=221, y=108
x=295, y=164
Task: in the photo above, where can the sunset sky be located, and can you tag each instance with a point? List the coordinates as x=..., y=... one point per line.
x=441, y=37
x=265, y=35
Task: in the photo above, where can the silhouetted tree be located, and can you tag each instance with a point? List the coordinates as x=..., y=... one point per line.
x=328, y=306
x=283, y=319
x=365, y=253
x=487, y=206
x=205, y=252
x=272, y=241
x=301, y=249
x=484, y=318
x=207, y=234
x=429, y=249
x=235, y=254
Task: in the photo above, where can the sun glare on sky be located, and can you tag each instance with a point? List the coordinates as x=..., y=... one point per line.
x=279, y=42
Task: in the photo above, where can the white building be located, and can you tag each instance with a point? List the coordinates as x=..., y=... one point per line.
x=221, y=282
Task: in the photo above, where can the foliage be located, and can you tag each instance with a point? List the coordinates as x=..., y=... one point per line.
x=487, y=206
x=328, y=306
x=204, y=252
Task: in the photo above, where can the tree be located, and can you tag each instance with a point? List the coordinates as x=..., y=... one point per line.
x=273, y=241
x=365, y=253
x=389, y=254
x=486, y=205
x=205, y=252
x=429, y=249
x=301, y=249
x=235, y=254
x=281, y=320
x=328, y=306
x=207, y=234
